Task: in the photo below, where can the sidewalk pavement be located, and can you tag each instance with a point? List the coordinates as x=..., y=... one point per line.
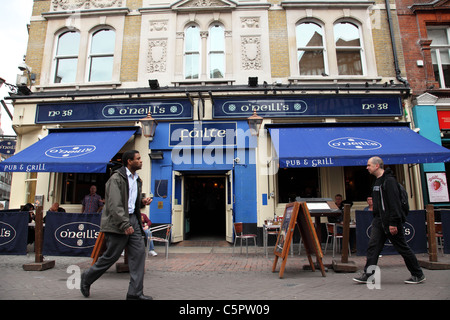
x=213, y=273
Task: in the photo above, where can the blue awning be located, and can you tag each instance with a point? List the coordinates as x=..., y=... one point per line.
x=70, y=150
x=347, y=145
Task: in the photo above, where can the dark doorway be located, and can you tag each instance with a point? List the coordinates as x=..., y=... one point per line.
x=204, y=208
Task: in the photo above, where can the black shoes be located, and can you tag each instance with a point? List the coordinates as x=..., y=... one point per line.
x=416, y=280
x=84, y=287
x=140, y=297
x=363, y=278
x=85, y=290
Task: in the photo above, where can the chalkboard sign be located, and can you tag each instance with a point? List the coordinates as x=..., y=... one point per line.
x=297, y=213
x=287, y=229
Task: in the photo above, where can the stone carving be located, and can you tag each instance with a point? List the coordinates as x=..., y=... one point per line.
x=158, y=25
x=85, y=4
x=251, y=53
x=157, y=55
x=249, y=22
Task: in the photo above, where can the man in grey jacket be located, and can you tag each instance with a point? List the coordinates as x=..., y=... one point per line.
x=122, y=226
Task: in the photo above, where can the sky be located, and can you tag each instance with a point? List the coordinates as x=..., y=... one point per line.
x=14, y=17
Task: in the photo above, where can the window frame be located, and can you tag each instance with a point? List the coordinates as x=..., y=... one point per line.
x=57, y=58
x=216, y=52
x=312, y=48
x=359, y=48
x=92, y=56
x=190, y=53
x=437, y=50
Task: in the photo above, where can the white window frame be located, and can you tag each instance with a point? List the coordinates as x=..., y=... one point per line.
x=437, y=49
x=360, y=48
x=211, y=52
x=57, y=58
x=323, y=48
x=99, y=55
x=187, y=53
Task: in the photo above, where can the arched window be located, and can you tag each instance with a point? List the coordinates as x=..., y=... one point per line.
x=216, y=52
x=310, y=49
x=101, y=55
x=348, y=49
x=192, y=46
x=66, y=57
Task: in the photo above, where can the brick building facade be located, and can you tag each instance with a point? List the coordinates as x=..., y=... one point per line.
x=424, y=28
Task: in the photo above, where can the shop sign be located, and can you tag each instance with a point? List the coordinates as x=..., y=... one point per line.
x=66, y=152
x=70, y=234
x=7, y=233
x=437, y=187
x=351, y=143
x=77, y=234
x=7, y=147
x=202, y=134
x=13, y=232
x=444, y=119
x=307, y=106
x=180, y=109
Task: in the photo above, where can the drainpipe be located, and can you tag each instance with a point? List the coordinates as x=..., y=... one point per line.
x=394, y=47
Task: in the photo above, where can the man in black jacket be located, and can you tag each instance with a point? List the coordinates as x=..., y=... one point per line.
x=387, y=223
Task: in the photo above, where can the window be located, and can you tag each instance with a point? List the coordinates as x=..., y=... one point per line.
x=101, y=57
x=440, y=55
x=358, y=183
x=348, y=49
x=298, y=182
x=310, y=49
x=76, y=185
x=192, y=53
x=66, y=57
x=216, y=52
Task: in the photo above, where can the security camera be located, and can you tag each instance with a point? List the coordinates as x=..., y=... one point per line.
x=24, y=67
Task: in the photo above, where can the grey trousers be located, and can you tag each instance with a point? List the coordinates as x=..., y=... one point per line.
x=115, y=244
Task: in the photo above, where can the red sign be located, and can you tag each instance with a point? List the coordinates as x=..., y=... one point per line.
x=444, y=119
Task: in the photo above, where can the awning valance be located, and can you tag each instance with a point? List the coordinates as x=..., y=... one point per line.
x=352, y=145
x=71, y=150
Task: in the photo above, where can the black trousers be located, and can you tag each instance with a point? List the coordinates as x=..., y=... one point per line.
x=376, y=243
x=115, y=244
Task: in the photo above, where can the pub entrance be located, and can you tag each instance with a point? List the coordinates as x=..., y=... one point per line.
x=205, y=207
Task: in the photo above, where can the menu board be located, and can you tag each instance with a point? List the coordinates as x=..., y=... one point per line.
x=287, y=228
x=297, y=213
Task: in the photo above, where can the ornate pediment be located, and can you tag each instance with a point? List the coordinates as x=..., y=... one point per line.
x=197, y=5
x=85, y=4
x=426, y=99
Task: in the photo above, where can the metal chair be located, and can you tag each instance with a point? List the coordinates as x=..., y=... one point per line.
x=332, y=233
x=165, y=239
x=239, y=234
x=439, y=236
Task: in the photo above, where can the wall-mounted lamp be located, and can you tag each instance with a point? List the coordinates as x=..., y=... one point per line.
x=252, y=81
x=254, y=123
x=154, y=84
x=156, y=155
x=148, y=125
